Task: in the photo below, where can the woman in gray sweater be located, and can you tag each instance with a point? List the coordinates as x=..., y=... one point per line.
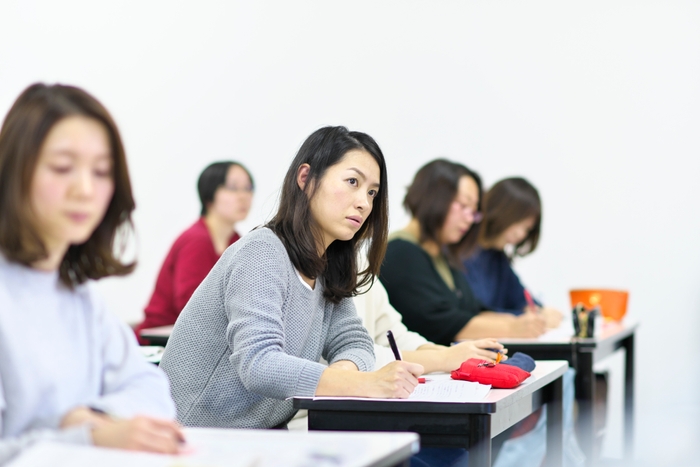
x=279, y=299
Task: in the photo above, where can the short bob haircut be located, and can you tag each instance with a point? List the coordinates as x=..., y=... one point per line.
x=26, y=125
x=299, y=233
x=213, y=177
x=428, y=200
x=509, y=201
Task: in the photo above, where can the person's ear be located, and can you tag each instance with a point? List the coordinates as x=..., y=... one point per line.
x=303, y=175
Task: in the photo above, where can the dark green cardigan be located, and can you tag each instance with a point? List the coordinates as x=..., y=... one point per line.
x=417, y=291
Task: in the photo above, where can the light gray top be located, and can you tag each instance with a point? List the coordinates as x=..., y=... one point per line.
x=252, y=336
x=60, y=349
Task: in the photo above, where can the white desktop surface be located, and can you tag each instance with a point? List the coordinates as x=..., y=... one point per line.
x=237, y=448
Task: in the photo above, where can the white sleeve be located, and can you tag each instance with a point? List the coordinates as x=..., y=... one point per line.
x=130, y=385
x=11, y=447
x=379, y=316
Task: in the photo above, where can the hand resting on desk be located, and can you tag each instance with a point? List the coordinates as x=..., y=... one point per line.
x=136, y=434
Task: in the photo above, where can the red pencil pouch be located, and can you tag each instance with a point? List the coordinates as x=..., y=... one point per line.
x=498, y=376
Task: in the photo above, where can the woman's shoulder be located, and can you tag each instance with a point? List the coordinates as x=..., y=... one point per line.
x=262, y=237
x=486, y=256
x=404, y=248
x=196, y=232
x=261, y=245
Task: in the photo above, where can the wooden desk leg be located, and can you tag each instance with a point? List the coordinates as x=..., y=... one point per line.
x=555, y=424
x=628, y=422
x=480, y=443
x=585, y=394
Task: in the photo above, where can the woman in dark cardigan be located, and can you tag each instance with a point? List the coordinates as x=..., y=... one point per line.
x=422, y=271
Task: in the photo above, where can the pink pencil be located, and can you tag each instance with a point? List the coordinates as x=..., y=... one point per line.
x=530, y=301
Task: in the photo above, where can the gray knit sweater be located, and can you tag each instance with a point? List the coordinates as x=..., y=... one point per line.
x=252, y=335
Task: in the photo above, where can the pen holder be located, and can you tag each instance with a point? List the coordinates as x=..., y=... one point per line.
x=584, y=320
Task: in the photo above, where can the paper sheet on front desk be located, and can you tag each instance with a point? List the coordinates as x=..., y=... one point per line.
x=54, y=454
x=437, y=388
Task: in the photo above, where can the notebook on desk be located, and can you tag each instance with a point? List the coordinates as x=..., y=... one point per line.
x=437, y=388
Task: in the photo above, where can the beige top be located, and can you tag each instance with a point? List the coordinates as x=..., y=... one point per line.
x=378, y=316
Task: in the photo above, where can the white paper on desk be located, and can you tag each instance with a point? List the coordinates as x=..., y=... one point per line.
x=564, y=332
x=54, y=454
x=437, y=388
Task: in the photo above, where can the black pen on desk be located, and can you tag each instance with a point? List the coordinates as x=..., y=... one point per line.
x=392, y=344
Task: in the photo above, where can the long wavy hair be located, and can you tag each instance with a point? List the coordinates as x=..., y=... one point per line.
x=295, y=226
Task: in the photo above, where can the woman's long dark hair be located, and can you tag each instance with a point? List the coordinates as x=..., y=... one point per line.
x=298, y=231
x=32, y=116
x=428, y=200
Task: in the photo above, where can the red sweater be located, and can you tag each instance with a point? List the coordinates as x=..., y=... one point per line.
x=188, y=262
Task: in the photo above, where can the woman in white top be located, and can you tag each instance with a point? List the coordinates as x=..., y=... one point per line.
x=378, y=316
x=69, y=371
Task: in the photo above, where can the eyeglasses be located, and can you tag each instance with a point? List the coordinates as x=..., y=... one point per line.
x=470, y=211
x=238, y=189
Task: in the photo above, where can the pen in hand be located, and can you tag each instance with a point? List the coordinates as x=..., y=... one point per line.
x=395, y=350
x=531, y=305
x=392, y=344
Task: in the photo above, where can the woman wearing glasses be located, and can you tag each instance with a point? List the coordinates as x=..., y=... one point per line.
x=422, y=269
x=226, y=192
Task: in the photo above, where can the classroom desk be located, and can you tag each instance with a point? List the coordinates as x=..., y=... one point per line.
x=469, y=425
x=241, y=448
x=152, y=353
x=582, y=354
x=157, y=336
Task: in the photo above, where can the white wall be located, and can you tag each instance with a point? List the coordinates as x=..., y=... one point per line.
x=595, y=102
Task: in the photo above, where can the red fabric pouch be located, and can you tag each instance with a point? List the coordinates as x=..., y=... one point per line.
x=498, y=376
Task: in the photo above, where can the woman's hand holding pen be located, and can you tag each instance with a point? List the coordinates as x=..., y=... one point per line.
x=552, y=317
x=528, y=324
x=140, y=434
x=137, y=434
x=397, y=380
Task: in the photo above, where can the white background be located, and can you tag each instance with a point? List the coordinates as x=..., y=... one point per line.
x=596, y=102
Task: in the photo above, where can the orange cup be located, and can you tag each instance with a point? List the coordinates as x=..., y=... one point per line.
x=613, y=303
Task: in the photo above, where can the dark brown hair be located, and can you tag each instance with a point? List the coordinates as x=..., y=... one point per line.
x=212, y=178
x=299, y=233
x=509, y=201
x=26, y=125
x=428, y=200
